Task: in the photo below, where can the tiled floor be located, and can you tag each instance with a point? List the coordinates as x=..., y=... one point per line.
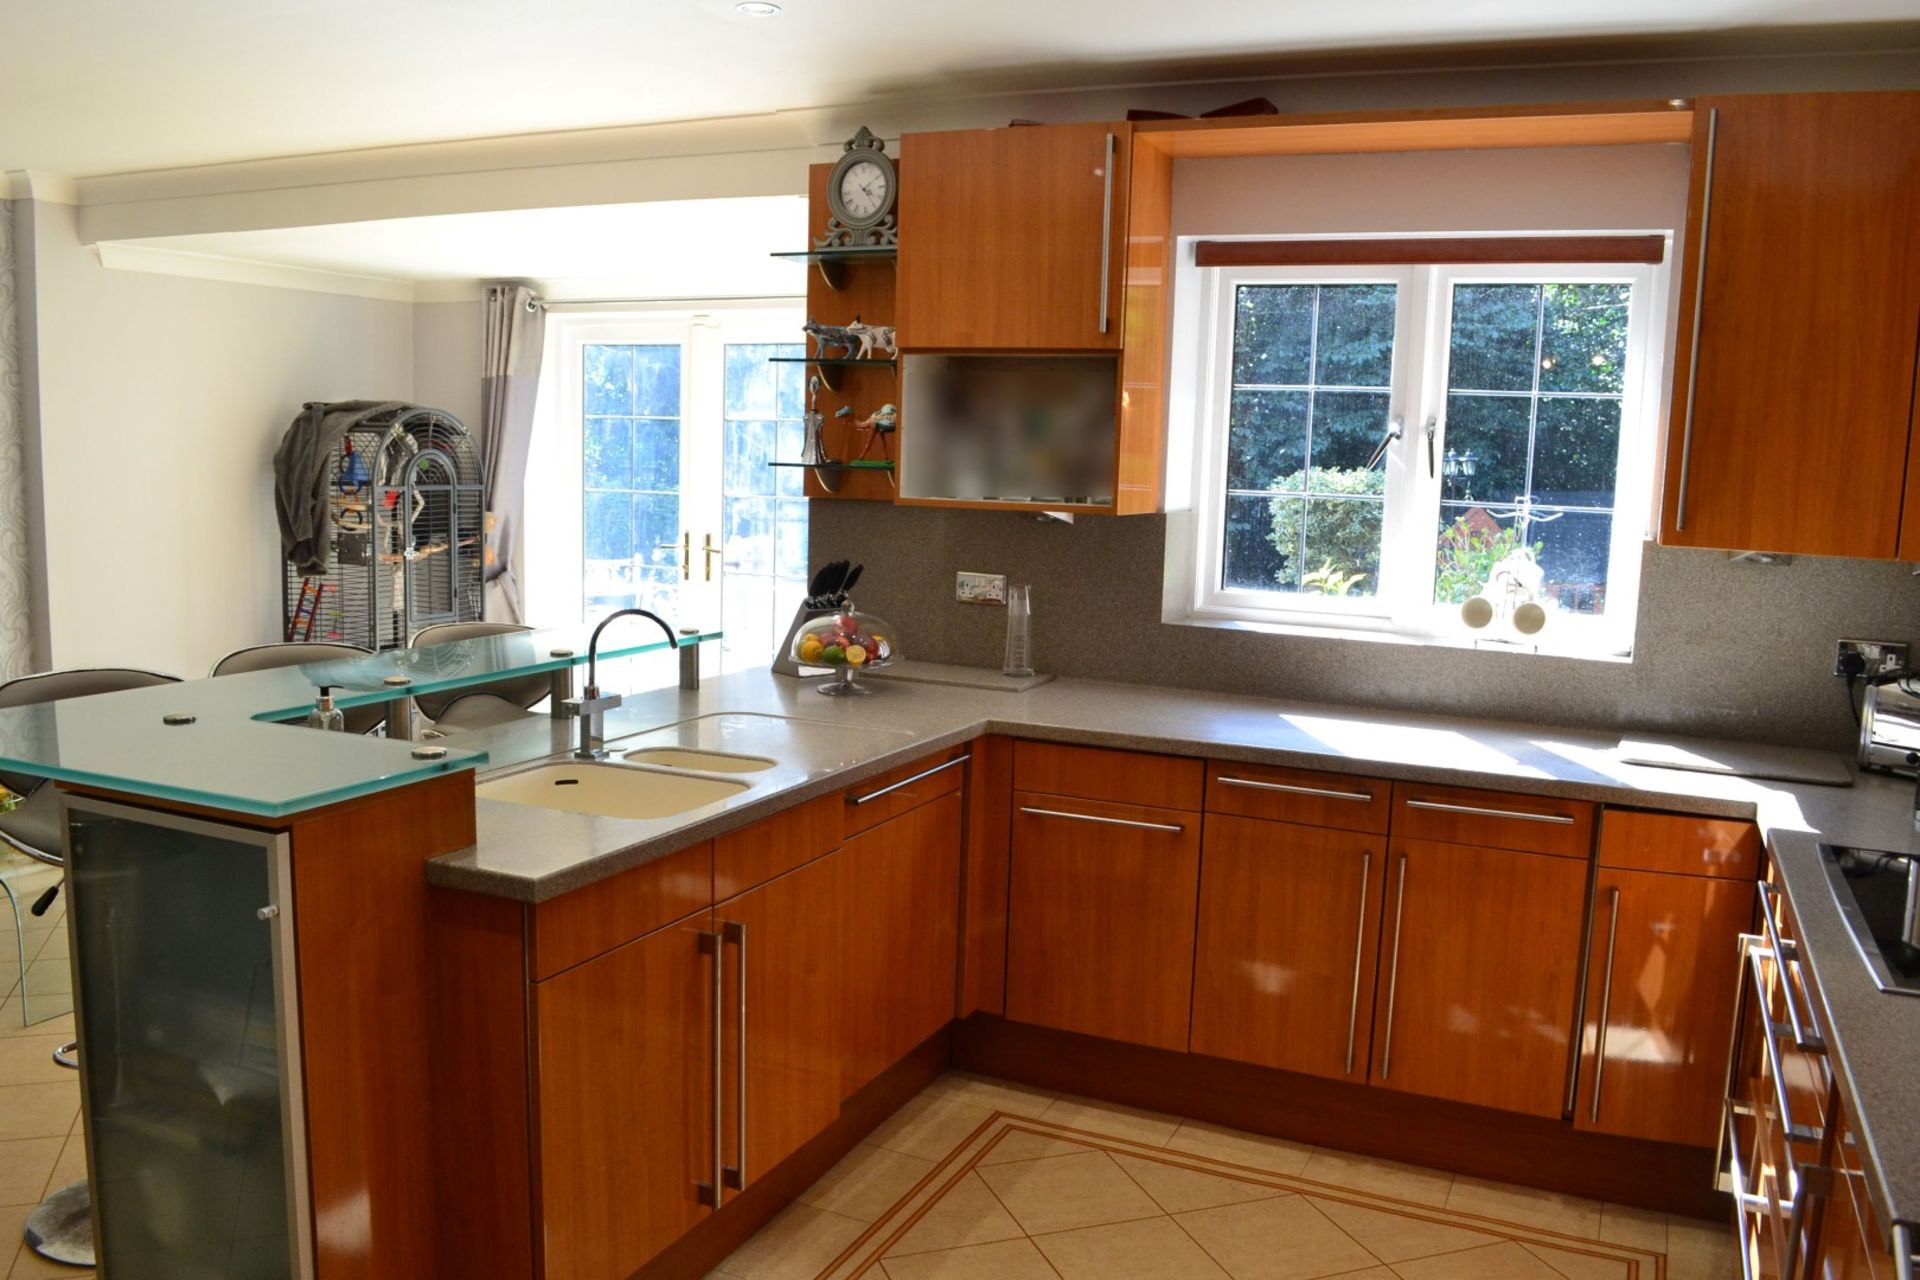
x=981, y=1180
x=41, y=1148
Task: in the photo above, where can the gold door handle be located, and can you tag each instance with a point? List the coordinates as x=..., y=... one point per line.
x=686, y=553
x=710, y=551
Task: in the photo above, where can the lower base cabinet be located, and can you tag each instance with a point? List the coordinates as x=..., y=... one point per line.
x=624, y=1102
x=1663, y=973
x=1480, y=969
x=900, y=937
x=1101, y=918
x=1287, y=940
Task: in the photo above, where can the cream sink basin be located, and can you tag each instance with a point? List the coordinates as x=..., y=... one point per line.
x=705, y=761
x=608, y=790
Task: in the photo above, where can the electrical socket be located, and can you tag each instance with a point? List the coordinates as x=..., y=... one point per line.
x=980, y=588
x=1880, y=655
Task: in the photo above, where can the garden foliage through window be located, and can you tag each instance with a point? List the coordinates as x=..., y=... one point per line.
x=1378, y=442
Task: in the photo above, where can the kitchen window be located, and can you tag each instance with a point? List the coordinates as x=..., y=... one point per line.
x=1379, y=445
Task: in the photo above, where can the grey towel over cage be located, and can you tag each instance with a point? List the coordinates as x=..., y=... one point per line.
x=382, y=522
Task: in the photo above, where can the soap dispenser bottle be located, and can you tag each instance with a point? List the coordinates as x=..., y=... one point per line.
x=325, y=715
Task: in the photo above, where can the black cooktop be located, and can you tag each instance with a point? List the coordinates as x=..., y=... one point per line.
x=1871, y=887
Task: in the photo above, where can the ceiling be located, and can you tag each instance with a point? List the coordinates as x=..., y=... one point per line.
x=664, y=249
x=94, y=87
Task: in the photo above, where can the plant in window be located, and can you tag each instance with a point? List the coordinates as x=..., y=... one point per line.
x=1468, y=551
x=1343, y=529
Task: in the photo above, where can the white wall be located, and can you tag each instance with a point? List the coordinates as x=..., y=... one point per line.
x=448, y=347
x=158, y=405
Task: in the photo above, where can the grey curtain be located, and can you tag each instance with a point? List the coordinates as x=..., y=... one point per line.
x=16, y=649
x=515, y=340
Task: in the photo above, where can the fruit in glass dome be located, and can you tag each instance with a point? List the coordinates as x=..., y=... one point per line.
x=870, y=647
x=834, y=654
x=856, y=656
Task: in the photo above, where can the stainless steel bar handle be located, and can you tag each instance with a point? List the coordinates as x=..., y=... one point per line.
x=712, y=1193
x=1744, y=1201
x=1325, y=793
x=1359, y=942
x=1745, y=942
x=1111, y=822
x=1903, y=1259
x=1393, y=973
x=1606, y=1003
x=736, y=933
x=1436, y=806
x=1106, y=234
x=907, y=782
x=1699, y=299
x=1770, y=1041
x=1805, y=1036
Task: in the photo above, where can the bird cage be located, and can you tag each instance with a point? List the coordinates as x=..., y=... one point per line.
x=406, y=498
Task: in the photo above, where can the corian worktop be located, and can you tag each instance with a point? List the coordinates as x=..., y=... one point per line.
x=826, y=744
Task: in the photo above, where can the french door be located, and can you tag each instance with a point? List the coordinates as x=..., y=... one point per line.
x=660, y=465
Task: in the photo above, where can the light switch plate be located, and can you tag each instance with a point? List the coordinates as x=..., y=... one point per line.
x=980, y=588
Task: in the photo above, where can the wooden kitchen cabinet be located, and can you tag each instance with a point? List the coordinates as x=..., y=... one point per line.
x=783, y=963
x=1480, y=959
x=1663, y=972
x=625, y=1045
x=900, y=934
x=1015, y=240
x=1791, y=424
x=1287, y=939
x=1101, y=918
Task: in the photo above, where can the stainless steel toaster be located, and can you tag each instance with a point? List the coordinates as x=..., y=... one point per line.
x=1890, y=727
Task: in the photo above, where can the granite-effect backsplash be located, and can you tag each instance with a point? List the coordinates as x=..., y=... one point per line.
x=1724, y=648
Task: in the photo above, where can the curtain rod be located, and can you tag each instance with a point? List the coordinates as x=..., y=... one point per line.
x=665, y=304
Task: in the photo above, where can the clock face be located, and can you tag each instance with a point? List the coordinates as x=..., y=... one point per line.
x=863, y=189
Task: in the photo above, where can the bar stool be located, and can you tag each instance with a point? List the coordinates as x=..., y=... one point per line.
x=294, y=653
x=61, y=1229
x=480, y=706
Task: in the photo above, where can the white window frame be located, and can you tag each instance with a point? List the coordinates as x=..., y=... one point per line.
x=1402, y=607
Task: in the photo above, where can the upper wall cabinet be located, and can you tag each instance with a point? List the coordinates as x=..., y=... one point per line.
x=1017, y=238
x=1794, y=371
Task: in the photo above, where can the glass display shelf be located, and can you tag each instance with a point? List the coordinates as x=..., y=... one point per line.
x=215, y=742
x=833, y=262
x=858, y=464
x=837, y=362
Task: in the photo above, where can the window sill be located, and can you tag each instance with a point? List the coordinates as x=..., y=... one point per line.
x=1565, y=647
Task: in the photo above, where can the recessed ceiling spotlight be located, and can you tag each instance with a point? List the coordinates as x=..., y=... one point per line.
x=757, y=9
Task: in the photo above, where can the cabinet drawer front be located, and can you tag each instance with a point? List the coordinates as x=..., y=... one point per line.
x=1493, y=819
x=1635, y=840
x=1298, y=795
x=774, y=846
x=580, y=925
x=899, y=790
x=1094, y=773
x=1102, y=906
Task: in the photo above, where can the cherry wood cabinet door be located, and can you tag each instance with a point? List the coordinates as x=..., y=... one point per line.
x=1791, y=432
x=1663, y=973
x=1286, y=945
x=783, y=967
x=624, y=1098
x=1013, y=239
x=1480, y=960
x=900, y=936
x=1102, y=906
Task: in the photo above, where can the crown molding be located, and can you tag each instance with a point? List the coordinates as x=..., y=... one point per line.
x=32, y=184
x=207, y=266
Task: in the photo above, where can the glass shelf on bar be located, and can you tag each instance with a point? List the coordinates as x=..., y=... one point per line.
x=836, y=362
x=842, y=253
x=858, y=464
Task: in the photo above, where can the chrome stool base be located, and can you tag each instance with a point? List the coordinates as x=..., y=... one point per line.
x=61, y=1229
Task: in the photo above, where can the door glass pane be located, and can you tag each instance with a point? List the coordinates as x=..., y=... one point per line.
x=630, y=474
x=182, y=1059
x=765, y=515
x=1536, y=373
x=1313, y=365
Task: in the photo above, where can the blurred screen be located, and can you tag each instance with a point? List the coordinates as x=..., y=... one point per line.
x=1007, y=428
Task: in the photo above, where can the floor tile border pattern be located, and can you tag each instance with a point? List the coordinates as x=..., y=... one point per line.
x=861, y=1259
